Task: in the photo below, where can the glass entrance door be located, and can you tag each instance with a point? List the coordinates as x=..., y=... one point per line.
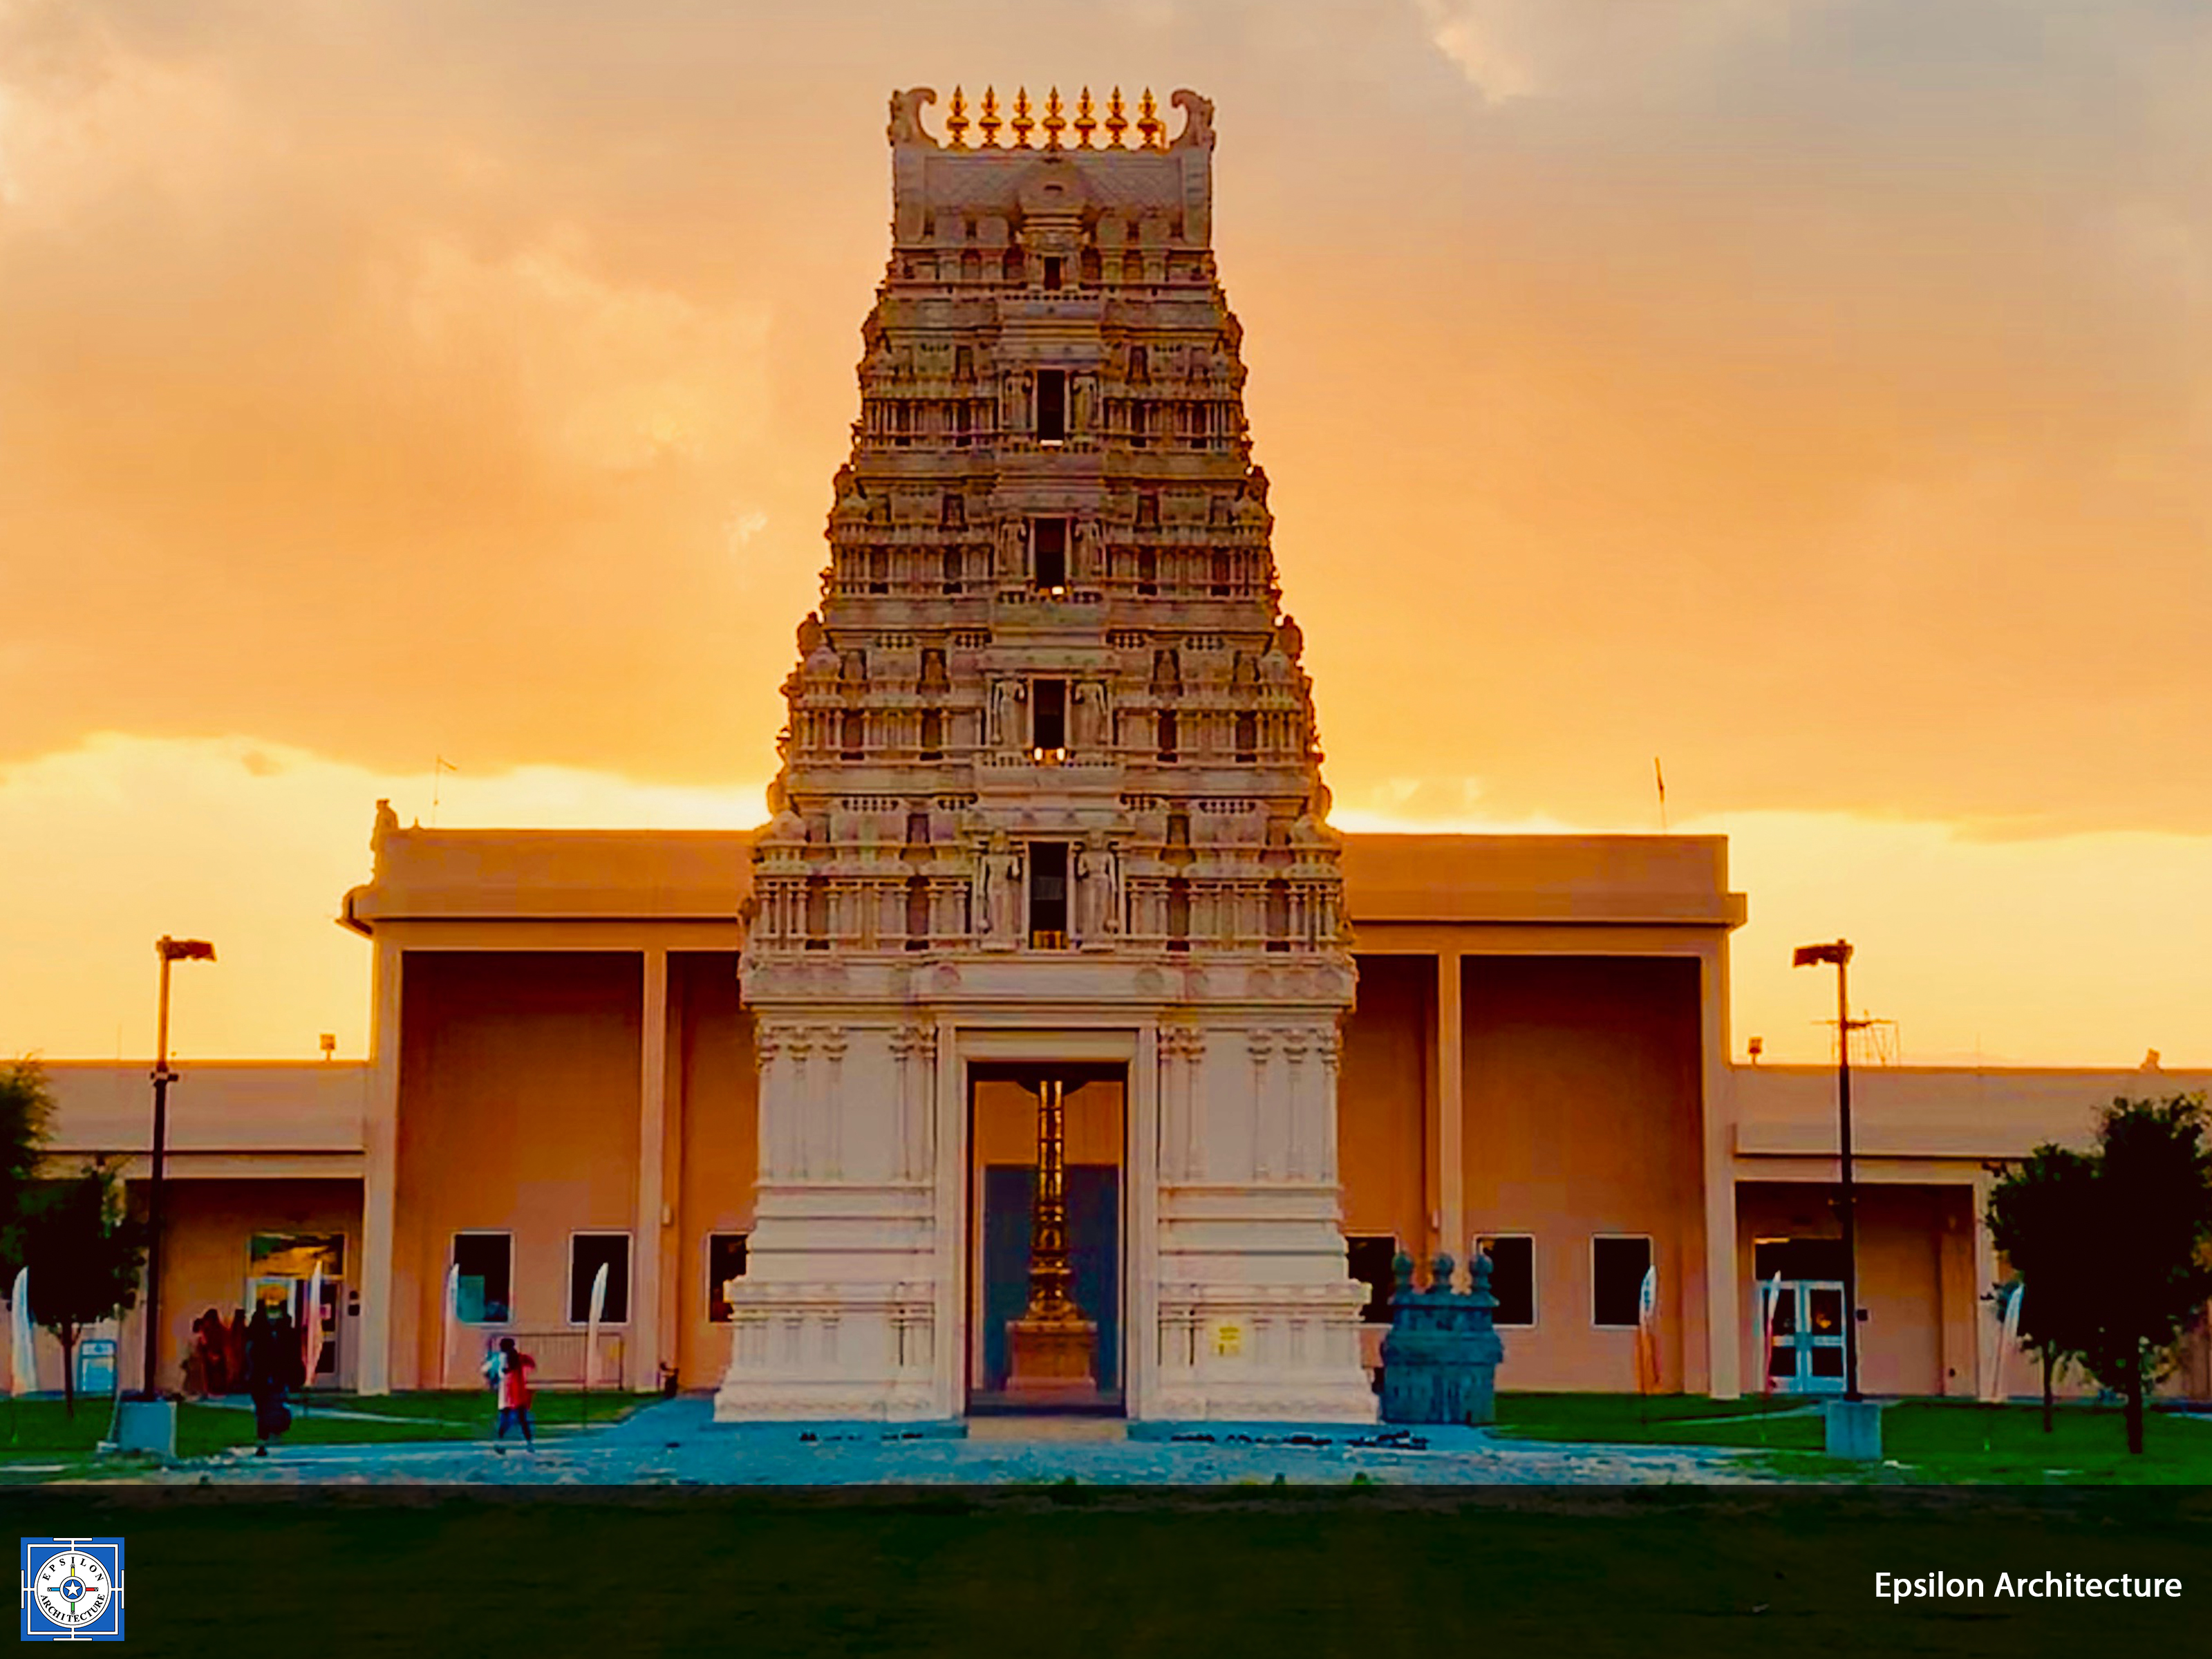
x=1807, y=1352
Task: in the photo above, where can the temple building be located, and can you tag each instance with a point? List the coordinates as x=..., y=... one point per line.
x=1047, y=1048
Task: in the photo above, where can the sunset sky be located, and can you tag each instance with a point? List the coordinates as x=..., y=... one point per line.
x=1815, y=394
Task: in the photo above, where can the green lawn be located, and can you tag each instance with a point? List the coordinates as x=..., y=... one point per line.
x=1940, y=1441
x=41, y=1432
x=1099, y=1572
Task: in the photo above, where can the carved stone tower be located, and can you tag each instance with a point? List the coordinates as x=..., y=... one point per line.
x=1050, y=795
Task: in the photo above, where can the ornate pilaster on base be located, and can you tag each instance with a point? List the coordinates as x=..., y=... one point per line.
x=819, y=1352
x=1261, y=1354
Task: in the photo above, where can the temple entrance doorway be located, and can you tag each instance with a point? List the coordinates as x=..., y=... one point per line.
x=1047, y=1220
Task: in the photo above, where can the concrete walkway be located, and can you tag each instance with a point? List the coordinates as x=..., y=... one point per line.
x=677, y=1442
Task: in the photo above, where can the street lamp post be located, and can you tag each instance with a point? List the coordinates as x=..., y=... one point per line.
x=169, y=950
x=1810, y=956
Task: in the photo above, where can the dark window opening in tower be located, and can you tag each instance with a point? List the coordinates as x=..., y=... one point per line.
x=933, y=677
x=917, y=827
x=917, y=910
x=1248, y=736
x=1049, y=717
x=953, y=511
x=1047, y=867
x=1167, y=734
x=879, y=570
x=1167, y=670
x=1278, y=914
x=1052, y=268
x=1052, y=405
x=951, y=570
x=1223, y=574
x=853, y=742
x=1148, y=571
x=933, y=734
x=817, y=914
x=1010, y=268
x=963, y=359
x=1048, y=555
x=1140, y=369
x=1179, y=914
x=1148, y=509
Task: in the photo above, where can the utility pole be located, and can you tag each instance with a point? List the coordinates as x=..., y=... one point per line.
x=1840, y=954
x=169, y=950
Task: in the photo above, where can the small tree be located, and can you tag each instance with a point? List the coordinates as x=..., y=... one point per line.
x=2035, y=1214
x=85, y=1255
x=26, y=1110
x=2137, y=1225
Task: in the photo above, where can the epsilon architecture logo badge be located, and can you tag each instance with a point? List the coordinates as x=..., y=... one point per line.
x=72, y=1590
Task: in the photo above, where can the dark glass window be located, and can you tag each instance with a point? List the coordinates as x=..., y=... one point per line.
x=486, y=1283
x=1617, y=1270
x=1048, y=715
x=725, y=1260
x=1051, y=405
x=1048, y=552
x=1798, y=1258
x=1372, y=1258
x=587, y=1254
x=1048, y=863
x=1513, y=1277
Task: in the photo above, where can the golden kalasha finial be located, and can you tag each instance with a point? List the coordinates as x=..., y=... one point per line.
x=957, y=121
x=989, y=121
x=1116, y=123
x=1054, y=122
x=1085, y=122
x=1022, y=122
x=1149, y=124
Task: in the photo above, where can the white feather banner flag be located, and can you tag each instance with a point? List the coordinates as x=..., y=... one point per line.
x=446, y=1319
x=592, y=1326
x=22, y=1357
x=311, y=1332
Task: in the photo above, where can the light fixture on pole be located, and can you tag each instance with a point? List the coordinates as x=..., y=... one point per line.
x=1814, y=956
x=169, y=950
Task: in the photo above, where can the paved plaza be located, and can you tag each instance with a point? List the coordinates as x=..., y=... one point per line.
x=677, y=1442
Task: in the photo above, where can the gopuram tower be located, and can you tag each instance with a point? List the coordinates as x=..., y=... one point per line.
x=1050, y=812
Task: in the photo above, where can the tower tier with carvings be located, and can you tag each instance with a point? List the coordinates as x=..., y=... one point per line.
x=1051, y=767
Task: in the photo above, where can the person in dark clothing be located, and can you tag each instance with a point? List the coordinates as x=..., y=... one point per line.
x=272, y=1368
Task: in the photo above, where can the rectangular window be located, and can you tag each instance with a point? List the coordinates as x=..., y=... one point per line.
x=933, y=734
x=1048, y=863
x=587, y=1254
x=725, y=1260
x=1617, y=1268
x=1373, y=1258
x=1512, y=1276
x=1048, y=715
x=1051, y=405
x=1167, y=734
x=1052, y=268
x=483, y=1290
x=1048, y=553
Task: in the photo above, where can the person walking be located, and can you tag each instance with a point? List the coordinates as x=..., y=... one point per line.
x=513, y=1385
x=270, y=1369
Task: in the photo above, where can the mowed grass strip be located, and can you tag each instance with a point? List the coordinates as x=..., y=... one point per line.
x=1935, y=1441
x=41, y=1432
x=1108, y=1572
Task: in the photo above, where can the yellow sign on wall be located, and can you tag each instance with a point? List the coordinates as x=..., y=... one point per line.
x=1228, y=1340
